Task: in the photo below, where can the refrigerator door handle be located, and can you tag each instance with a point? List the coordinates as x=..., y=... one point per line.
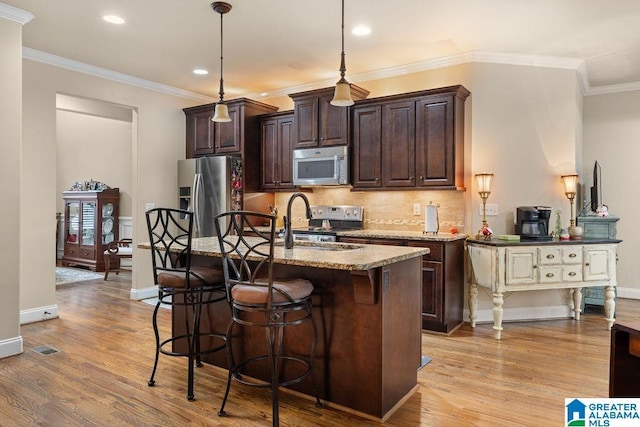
x=197, y=185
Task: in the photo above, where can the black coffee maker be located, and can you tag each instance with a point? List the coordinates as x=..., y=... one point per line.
x=532, y=222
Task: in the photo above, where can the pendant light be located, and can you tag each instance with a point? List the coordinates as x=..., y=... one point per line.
x=221, y=111
x=342, y=95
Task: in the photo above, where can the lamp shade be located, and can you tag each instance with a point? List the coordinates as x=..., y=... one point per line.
x=570, y=184
x=484, y=182
x=221, y=113
x=342, y=95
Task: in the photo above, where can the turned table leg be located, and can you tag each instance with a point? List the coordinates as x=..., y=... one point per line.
x=498, y=301
x=610, y=305
x=473, y=303
x=577, y=302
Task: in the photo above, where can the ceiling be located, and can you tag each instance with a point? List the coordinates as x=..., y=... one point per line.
x=278, y=46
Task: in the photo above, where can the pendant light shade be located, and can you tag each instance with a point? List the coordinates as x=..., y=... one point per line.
x=222, y=111
x=342, y=95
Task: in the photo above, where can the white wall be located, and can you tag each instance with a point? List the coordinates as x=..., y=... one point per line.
x=156, y=146
x=10, y=140
x=612, y=137
x=92, y=147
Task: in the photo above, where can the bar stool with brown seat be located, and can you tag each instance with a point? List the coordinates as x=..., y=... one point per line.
x=185, y=287
x=259, y=300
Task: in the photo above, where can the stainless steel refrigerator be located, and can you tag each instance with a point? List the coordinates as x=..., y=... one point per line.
x=209, y=186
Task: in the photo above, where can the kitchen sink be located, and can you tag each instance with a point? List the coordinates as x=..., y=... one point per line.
x=325, y=246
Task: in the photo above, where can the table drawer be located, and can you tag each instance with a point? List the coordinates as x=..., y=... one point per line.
x=549, y=256
x=550, y=274
x=572, y=273
x=572, y=255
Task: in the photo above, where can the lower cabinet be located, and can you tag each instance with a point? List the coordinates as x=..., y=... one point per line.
x=442, y=280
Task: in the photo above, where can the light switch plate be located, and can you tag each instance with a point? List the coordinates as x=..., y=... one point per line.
x=149, y=206
x=492, y=209
x=416, y=208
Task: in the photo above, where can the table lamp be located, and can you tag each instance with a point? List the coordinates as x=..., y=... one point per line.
x=484, y=189
x=570, y=190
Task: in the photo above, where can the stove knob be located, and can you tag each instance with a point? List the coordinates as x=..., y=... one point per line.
x=319, y=211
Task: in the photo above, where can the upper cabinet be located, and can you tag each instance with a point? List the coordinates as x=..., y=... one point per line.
x=277, y=145
x=413, y=140
x=205, y=138
x=317, y=122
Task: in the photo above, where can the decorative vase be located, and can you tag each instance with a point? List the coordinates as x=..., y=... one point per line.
x=576, y=232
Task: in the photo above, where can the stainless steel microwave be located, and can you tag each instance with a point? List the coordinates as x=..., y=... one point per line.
x=321, y=166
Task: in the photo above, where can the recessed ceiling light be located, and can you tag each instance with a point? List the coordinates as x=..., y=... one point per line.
x=200, y=71
x=264, y=94
x=113, y=19
x=361, y=30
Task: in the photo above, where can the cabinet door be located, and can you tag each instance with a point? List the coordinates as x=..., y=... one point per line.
x=73, y=222
x=596, y=263
x=398, y=144
x=306, y=122
x=333, y=123
x=199, y=133
x=269, y=149
x=285, y=148
x=432, y=288
x=521, y=266
x=435, y=156
x=367, y=149
x=88, y=221
x=228, y=135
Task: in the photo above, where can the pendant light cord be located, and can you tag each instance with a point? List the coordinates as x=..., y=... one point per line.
x=221, y=93
x=343, y=68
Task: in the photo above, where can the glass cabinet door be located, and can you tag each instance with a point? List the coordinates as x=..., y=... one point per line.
x=88, y=223
x=107, y=223
x=73, y=221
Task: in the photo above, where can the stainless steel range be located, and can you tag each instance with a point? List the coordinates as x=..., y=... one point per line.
x=327, y=221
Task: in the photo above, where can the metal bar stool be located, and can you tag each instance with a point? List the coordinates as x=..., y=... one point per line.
x=259, y=300
x=184, y=287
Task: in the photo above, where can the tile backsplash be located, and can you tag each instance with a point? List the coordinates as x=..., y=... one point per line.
x=384, y=210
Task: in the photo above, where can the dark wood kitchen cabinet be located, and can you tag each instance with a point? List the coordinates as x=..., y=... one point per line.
x=442, y=285
x=206, y=138
x=276, y=134
x=418, y=140
x=442, y=280
x=91, y=223
x=317, y=122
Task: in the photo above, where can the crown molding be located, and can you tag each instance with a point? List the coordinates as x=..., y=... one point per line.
x=14, y=14
x=449, y=61
x=81, y=67
x=623, y=87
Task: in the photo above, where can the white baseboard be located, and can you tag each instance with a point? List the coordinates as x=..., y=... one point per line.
x=630, y=293
x=38, y=314
x=523, y=313
x=11, y=347
x=144, y=293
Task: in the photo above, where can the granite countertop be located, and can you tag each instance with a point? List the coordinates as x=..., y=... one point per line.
x=337, y=256
x=401, y=234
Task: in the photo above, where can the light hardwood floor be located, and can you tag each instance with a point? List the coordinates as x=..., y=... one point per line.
x=99, y=375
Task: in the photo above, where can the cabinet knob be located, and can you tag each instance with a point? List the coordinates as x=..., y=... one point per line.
x=549, y=274
x=535, y=266
x=550, y=256
x=572, y=255
x=376, y=179
x=421, y=178
x=586, y=264
x=410, y=178
x=572, y=273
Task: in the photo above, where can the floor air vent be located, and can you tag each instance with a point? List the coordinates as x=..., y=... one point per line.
x=46, y=350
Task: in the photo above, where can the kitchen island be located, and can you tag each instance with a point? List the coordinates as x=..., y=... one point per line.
x=367, y=305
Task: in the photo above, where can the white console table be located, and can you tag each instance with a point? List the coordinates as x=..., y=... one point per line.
x=526, y=266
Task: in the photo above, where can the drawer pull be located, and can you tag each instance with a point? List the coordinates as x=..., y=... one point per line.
x=572, y=255
x=572, y=273
x=549, y=274
x=550, y=256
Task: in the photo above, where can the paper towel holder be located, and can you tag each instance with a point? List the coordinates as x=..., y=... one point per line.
x=431, y=221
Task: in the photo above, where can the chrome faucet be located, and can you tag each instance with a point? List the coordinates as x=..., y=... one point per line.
x=288, y=235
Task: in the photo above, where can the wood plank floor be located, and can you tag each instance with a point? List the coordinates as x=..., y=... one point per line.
x=99, y=375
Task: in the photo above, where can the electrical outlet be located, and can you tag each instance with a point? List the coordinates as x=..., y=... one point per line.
x=149, y=206
x=492, y=209
x=416, y=208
